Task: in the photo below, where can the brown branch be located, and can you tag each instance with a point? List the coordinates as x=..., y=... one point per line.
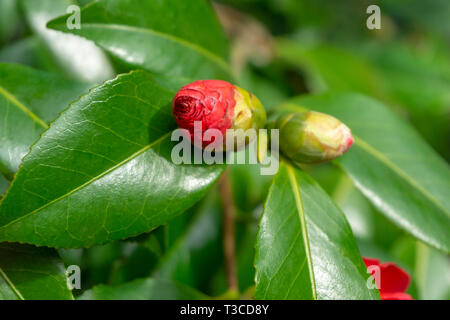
x=228, y=230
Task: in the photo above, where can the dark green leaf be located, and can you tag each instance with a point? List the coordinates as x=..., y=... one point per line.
x=245, y=268
x=418, y=14
x=175, y=37
x=249, y=186
x=103, y=170
x=390, y=163
x=270, y=91
x=4, y=184
x=29, y=100
x=305, y=248
x=143, y=289
x=332, y=68
x=418, y=80
x=71, y=256
x=98, y=262
x=197, y=252
x=27, y=272
x=137, y=261
x=9, y=20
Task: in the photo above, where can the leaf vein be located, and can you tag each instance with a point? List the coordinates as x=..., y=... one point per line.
x=139, y=152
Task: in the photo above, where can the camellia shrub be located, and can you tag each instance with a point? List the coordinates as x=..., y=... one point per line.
x=122, y=124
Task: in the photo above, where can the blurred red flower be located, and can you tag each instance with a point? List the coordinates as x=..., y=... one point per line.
x=393, y=280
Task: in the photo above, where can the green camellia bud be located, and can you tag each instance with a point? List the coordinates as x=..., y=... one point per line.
x=312, y=137
x=249, y=113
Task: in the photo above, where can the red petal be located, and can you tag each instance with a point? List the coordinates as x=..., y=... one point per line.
x=210, y=102
x=396, y=296
x=393, y=279
x=349, y=142
x=370, y=262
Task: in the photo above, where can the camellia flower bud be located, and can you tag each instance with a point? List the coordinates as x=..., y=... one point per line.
x=217, y=105
x=312, y=137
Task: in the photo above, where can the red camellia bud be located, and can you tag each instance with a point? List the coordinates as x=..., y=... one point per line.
x=393, y=280
x=217, y=105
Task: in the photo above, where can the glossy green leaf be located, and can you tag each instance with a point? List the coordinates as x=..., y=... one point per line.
x=305, y=248
x=75, y=56
x=103, y=169
x=174, y=37
x=29, y=100
x=27, y=272
x=391, y=164
x=143, y=289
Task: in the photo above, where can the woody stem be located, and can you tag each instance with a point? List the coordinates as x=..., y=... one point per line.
x=228, y=230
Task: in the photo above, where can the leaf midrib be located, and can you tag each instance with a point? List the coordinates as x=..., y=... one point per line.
x=11, y=284
x=207, y=53
x=99, y=176
x=378, y=155
x=299, y=204
x=10, y=97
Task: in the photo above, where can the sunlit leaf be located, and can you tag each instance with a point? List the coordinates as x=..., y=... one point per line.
x=305, y=248
x=175, y=37
x=29, y=100
x=103, y=170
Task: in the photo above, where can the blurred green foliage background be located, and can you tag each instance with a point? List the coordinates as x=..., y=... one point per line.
x=283, y=48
